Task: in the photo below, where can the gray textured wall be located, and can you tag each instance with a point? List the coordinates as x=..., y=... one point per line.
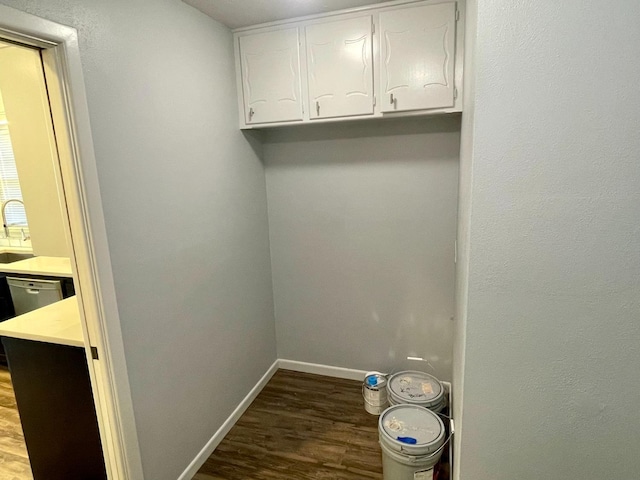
x=552, y=317
x=464, y=214
x=185, y=205
x=362, y=222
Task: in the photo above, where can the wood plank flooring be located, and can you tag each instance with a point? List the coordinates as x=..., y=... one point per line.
x=14, y=462
x=301, y=426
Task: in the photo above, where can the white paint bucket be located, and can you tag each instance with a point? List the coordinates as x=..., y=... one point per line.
x=416, y=388
x=374, y=393
x=412, y=440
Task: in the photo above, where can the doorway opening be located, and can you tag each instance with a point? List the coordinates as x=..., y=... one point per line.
x=62, y=219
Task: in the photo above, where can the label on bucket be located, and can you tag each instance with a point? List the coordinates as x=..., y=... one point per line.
x=423, y=475
x=415, y=387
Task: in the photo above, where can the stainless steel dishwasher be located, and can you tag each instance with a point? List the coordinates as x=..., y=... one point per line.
x=28, y=294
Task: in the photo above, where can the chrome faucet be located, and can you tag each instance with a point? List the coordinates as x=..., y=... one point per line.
x=4, y=214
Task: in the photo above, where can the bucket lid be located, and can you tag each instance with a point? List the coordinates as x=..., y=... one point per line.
x=417, y=388
x=375, y=381
x=411, y=429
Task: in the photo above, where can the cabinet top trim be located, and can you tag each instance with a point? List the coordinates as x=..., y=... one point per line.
x=346, y=11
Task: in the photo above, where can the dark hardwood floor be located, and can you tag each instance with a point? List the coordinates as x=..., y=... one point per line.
x=14, y=462
x=301, y=426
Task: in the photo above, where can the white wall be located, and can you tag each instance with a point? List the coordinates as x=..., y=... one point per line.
x=464, y=216
x=185, y=204
x=553, y=307
x=362, y=222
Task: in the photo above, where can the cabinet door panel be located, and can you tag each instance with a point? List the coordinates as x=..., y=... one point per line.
x=270, y=64
x=339, y=64
x=417, y=47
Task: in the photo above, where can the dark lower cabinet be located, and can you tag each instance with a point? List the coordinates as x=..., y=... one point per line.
x=55, y=402
x=6, y=309
x=6, y=305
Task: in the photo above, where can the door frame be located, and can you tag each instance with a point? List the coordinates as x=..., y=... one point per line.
x=90, y=257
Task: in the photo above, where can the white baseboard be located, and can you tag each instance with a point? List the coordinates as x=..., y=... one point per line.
x=214, y=441
x=318, y=369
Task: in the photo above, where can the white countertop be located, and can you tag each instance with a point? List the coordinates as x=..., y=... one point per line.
x=49, y=266
x=56, y=323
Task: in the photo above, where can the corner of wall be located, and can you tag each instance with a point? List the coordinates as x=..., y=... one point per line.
x=464, y=227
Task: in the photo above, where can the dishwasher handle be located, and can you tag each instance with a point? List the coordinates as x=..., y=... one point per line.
x=32, y=291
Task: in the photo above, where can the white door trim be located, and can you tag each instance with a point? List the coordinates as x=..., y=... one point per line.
x=90, y=256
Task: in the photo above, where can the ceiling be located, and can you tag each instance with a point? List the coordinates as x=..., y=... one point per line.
x=242, y=13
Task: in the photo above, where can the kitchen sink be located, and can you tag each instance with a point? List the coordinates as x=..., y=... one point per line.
x=10, y=257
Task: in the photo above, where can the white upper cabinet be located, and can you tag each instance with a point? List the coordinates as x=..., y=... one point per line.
x=339, y=67
x=390, y=59
x=270, y=68
x=417, y=52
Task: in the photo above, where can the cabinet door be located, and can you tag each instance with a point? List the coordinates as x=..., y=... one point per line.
x=417, y=47
x=339, y=65
x=270, y=64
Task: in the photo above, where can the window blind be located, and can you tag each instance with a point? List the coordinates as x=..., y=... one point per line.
x=9, y=183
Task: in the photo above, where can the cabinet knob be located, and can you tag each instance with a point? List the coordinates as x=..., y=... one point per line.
x=317, y=108
x=392, y=100
x=251, y=113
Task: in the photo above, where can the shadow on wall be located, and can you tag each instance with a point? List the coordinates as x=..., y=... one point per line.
x=377, y=129
x=255, y=139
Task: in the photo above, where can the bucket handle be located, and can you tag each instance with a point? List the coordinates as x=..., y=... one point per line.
x=432, y=454
x=440, y=448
